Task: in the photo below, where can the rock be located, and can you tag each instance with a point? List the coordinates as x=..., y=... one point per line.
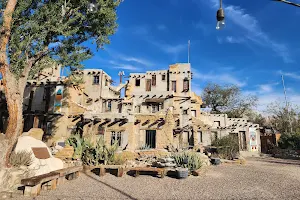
x=36, y=133
x=38, y=166
x=197, y=172
x=205, y=159
x=65, y=153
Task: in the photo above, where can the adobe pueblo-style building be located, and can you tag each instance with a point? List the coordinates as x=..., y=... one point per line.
x=159, y=110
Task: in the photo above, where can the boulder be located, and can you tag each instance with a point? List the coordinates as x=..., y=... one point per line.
x=205, y=159
x=36, y=133
x=64, y=153
x=43, y=161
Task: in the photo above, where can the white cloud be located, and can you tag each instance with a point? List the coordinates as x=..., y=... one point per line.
x=234, y=40
x=170, y=49
x=289, y=74
x=123, y=66
x=266, y=88
x=222, y=78
x=161, y=27
x=254, y=33
x=127, y=58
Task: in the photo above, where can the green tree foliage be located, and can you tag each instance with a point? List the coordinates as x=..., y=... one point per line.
x=57, y=31
x=227, y=99
x=290, y=141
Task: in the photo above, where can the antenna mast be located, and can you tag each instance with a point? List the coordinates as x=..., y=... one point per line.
x=286, y=103
x=189, y=44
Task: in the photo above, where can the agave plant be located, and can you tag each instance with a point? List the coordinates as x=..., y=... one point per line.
x=190, y=160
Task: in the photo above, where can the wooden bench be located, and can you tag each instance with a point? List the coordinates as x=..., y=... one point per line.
x=103, y=168
x=68, y=173
x=34, y=184
x=159, y=171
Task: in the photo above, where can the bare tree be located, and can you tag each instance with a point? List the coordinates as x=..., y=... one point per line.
x=282, y=118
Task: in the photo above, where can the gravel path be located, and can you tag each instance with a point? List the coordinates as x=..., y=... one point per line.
x=266, y=178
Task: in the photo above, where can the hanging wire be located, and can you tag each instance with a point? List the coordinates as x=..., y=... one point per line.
x=287, y=2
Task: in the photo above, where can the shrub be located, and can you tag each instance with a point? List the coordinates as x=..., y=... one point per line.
x=227, y=147
x=187, y=159
x=21, y=158
x=290, y=141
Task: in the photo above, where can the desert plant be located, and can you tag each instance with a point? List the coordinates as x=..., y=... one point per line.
x=100, y=153
x=21, y=158
x=227, y=147
x=188, y=159
x=77, y=143
x=289, y=141
x=145, y=147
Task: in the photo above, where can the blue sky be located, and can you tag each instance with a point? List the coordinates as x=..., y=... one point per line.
x=260, y=42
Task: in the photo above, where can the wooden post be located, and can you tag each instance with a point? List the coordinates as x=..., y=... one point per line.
x=102, y=171
x=120, y=171
x=53, y=184
x=32, y=191
x=61, y=180
x=36, y=122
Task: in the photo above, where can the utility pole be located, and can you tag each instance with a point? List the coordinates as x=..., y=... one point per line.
x=189, y=44
x=286, y=103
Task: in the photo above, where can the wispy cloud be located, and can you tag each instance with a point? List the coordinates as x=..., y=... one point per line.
x=253, y=30
x=161, y=27
x=170, y=49
x=140, y=30
x=289, y=74
x=123, y=66
x=123, y=57
x=234, y=40
x=222, y=78
x=266, y=88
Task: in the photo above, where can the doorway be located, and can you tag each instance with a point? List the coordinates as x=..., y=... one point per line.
x=151, y=138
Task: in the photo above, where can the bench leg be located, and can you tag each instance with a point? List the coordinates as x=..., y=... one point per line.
x=162, y=174
x=54, y=184
x=102, y=171
x=61, y=180
x=120, y=172
x=32, y=191
x=137, y=173
x=77, y=174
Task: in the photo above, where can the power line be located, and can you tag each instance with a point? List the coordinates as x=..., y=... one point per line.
x=288, y=2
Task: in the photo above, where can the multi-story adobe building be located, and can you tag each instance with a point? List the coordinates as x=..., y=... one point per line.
x=159, y=110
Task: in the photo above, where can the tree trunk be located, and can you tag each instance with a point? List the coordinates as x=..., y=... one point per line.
x=14, y=92
x=15, y=104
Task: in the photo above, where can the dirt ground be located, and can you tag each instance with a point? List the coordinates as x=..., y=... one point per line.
x=260, y=178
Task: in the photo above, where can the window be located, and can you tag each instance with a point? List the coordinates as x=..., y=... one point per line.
x=155, y=108
x=96, y=80
x=200, y=136
x=174, y=86
x=138, y=109
x=148, y=84
x=153, y=80
x=108, y=106
x=137, y=82
x=215, y=135
x=120, y=107
x=106, y=82
x=186, y=85
x=116, y=137
x=163, y=77
x=217, y=123
x=100, y=130
x=194, y=113
x=151, y=139
x=185, y=112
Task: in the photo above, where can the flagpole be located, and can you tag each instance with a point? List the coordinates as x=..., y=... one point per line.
x=189, y=44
